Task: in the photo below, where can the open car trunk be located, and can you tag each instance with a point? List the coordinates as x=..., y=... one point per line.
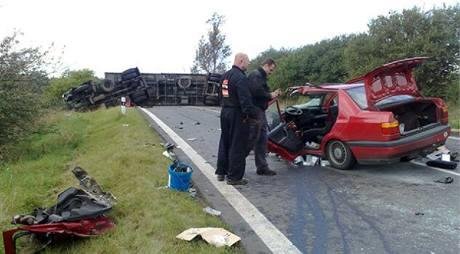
x=414, y=115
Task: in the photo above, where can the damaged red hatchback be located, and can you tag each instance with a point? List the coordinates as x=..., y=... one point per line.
x=380, y=117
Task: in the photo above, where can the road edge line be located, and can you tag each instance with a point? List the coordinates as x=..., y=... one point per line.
x=438, y=169
x=276, y=241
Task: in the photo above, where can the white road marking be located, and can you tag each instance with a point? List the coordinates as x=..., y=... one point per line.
x=455, y=138
x=270, y=235
x=438, y=169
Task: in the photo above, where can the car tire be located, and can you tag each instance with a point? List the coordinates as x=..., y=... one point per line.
x=340, y=155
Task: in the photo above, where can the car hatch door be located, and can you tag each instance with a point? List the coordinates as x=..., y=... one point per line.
x=395, y=78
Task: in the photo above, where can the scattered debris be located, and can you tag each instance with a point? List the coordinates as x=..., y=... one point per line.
x=163, y=187
x=307, y=160
x=445, y=157
x=442, y=158
x=442, y=164
x=212, y=211
x=324, y=163
x=312, y=145
x=419, y=213
x=218, y=237
x=191, y=139
x=192, y=192
x=78, y=212
x=446, y=180
x=179, y=173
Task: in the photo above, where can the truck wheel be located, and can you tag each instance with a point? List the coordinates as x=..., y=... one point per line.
x=340, y=155
x=107, y=85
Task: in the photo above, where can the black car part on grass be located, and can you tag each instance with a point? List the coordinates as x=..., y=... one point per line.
x=146, y=89
x=78, y=211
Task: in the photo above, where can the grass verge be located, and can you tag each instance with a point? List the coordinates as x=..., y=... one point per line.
x=454, y=115
x=123, y=154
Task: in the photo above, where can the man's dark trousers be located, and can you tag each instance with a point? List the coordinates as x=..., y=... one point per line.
x=234, y=143
x=260, y=148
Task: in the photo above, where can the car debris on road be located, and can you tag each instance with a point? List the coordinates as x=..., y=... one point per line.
x=442, y=158
x=446, y=180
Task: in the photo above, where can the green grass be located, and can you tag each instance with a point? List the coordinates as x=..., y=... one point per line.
x=454, y=115
x=120, y=158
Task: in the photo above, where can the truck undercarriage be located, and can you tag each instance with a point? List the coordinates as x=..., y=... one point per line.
x=146, y=89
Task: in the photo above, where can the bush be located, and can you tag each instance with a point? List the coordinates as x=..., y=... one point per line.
x=23, y=77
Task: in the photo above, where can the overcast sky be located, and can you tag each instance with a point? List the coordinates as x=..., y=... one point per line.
x=162, y=36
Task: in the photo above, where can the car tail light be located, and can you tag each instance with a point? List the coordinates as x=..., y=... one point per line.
x=444, y=114
x=390, y=128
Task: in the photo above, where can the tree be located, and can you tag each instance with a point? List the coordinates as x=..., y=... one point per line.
x=212, y=50
x=322, y=62
x=411, y=33
x=23, y=76
x=269, y=53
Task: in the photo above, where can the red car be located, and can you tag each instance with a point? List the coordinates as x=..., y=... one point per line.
x=380, y=117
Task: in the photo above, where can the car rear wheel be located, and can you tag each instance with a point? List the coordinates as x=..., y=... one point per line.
x=340, y=155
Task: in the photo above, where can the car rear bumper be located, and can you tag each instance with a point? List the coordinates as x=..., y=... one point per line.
x=391, y=151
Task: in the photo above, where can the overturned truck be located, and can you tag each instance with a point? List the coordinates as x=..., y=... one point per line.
x=146, y=89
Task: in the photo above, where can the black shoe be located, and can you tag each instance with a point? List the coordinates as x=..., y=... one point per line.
x=266, y=172
x=242, y=181
x=220, y=178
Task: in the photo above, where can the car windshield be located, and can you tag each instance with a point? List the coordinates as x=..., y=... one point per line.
x=358, y=94
x=311, y=100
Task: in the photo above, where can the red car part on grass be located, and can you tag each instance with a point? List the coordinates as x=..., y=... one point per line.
x=81, y=228
x=379, y=117
x=78, y=212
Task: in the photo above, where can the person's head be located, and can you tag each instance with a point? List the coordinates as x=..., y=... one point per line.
x=269, y=66
x=242, y=61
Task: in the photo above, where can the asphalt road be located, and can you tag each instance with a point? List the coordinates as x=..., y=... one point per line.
x=394, y=208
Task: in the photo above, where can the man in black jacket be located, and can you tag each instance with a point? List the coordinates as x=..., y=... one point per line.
x=261, y=96
x=237, y=119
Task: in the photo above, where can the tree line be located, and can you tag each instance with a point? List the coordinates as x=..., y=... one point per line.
x=408, y=33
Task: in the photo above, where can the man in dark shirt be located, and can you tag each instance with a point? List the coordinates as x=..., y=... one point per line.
x=237, y=118
x=261, y=96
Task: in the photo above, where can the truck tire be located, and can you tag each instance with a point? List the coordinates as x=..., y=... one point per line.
x=130, y=74
x=340, y=155
x=107, y=85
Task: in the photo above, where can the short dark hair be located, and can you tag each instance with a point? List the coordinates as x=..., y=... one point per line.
x=268, y=61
